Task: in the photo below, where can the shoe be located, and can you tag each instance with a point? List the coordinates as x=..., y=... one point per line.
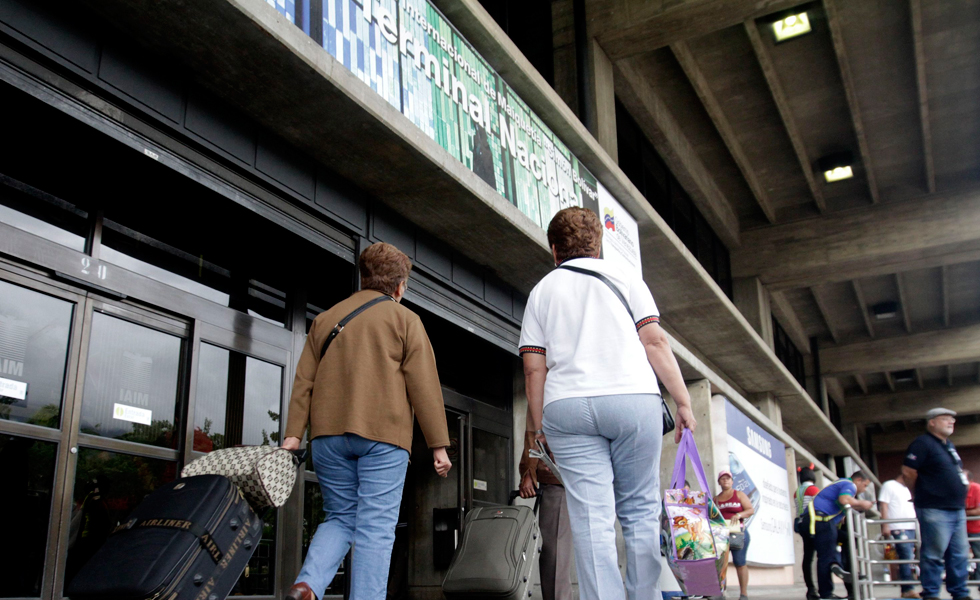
x=300, y=591
x=962, y=598
x=743, y=597
x=812, y=595
x=911, y=594
x=838, y=571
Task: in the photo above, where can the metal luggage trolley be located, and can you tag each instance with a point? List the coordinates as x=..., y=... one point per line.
x=860, y=544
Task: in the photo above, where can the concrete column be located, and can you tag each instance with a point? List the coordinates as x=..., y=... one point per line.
x=752, y=300
x=711, y=436
x=603, y=100
x=769, y=406
x=563, y=36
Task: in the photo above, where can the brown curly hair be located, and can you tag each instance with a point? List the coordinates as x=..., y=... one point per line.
x=383, y=267
x=575, y=232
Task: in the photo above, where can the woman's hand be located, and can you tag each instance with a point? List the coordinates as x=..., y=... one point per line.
x=291, y=443
x=441, y=462
x=527, y=486
x=684, y=420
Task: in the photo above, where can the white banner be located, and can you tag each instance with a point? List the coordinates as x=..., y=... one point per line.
x=757, y=461
x=621, y=237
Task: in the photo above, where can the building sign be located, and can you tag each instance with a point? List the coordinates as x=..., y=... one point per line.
x=621, y=236
x=758, y=465
x=414, y=58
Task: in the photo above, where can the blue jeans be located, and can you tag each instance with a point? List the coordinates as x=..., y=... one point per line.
x=905, y=552
x=608, y=451
x=943, y=541
x=362, y=484
x=738, y=556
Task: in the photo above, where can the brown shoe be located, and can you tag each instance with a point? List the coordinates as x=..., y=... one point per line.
x=300, y=591
x=910, y=594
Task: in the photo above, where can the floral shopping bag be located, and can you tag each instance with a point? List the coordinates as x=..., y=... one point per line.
x=693, y=533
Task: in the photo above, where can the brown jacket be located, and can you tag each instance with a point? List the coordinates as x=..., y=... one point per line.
x=539, y=473
x=378, y=373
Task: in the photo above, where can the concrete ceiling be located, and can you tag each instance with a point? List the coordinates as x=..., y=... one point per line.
x=893, y=82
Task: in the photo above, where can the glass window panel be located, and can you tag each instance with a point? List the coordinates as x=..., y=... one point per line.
x=34, y=332
x=238, y=400
x=312, y=517
x=131, y=383
x=135, y=265
x=45, y=216
x=490, y=457
x=261, y=579
x=27, y=472
x=108, y=486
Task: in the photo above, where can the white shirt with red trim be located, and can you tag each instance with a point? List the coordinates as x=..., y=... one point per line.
x=591, y=344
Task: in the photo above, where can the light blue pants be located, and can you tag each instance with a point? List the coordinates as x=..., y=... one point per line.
x=944, y=543
x=608, y=451
x=362, y=484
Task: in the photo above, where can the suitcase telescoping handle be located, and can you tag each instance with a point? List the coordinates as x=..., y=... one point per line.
x=515, y=494
x=299, y=456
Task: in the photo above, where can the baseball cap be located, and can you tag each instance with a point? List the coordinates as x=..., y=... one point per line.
x=938, y=412
x=723, y=473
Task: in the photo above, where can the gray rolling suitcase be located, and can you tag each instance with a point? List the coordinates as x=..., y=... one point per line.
x=496, y=555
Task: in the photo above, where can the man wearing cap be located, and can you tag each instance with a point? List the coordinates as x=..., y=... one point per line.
x=934, y=470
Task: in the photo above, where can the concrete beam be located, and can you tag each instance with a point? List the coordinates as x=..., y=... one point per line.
x=785, y=112
x=641, y=26
x=690, y=65
x=863, y=305
x=825, y=312
x=639, y=95
x=784, y=313
x=929, y=231
x=912, y=405
x=944, y=291
x=918, y=350
x=963, y=435
x=861, y=383
x=923, y=90
x=903, y=302
x=834, y=22
x=752, y=301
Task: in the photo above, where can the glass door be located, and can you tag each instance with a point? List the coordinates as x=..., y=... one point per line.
x=39, y=339
x=237, y=397
x=123, y=439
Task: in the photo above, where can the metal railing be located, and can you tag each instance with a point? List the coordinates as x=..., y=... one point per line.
x=863, y=560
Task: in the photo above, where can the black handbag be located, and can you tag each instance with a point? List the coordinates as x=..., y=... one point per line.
x=669, y=424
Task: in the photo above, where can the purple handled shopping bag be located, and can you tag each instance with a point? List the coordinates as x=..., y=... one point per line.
x=693, y=533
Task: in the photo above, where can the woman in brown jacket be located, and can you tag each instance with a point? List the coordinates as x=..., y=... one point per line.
x=359, y=400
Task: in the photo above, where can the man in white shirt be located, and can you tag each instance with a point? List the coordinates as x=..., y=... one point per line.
x=895, y=502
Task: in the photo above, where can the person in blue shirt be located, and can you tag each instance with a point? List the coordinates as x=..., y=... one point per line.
x=934, y=471
x=824, y=517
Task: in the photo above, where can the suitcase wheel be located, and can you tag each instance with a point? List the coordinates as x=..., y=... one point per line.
x=198, y=579
x=233, y=523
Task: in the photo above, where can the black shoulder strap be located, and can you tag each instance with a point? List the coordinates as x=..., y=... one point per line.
x=343, y=322
x=604, y=280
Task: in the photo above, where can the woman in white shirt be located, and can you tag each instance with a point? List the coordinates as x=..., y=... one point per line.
x=593, y=349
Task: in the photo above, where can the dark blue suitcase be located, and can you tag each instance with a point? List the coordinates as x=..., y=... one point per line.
x=189, y=540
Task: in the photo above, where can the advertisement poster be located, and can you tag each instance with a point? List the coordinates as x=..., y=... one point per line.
x=758, y=465
x=416, y=60
x=621, y=236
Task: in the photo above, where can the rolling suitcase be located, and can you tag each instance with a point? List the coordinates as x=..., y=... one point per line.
x=189, y=540
x=496, y=555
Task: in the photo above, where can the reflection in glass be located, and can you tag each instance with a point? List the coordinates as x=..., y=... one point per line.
x=131, y=383
x=238, y=400
x=27, y=473
x=34, y=332
x=108, y=486
x=490, y=458
x=135, y=265
x=261, y=580
x=45, y=216
x=312, y=517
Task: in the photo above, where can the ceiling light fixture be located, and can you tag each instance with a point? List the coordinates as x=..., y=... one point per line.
x=885, y=310
x=791, y=26
x=837, y=166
